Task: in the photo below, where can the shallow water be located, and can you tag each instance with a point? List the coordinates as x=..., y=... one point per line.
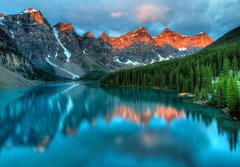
x=80, y=124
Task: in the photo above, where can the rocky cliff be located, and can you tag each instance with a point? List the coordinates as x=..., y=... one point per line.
x=11, y=58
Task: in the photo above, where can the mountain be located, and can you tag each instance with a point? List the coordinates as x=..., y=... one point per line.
x=138, y=47
x=187, y=73
x=58, y=51
x=167, y=37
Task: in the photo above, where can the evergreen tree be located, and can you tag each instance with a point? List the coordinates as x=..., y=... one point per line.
x=197, y=93
x=220, y=94
x=234, y=66
x=225, y=67
x=232, y=95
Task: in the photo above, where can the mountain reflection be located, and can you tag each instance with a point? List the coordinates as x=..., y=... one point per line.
x=33, y=117
x=143, y=118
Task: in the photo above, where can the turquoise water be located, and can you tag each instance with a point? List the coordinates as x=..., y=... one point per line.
x=80, y=124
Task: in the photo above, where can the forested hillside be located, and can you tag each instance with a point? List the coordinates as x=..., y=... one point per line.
x=210, y=72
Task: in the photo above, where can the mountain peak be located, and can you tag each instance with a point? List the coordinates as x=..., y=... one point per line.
x=36, y=14
x=104, y=34
x=64, y=26
x=89, y=34
x=167, y=30
x=141, y=30
x=105, y=37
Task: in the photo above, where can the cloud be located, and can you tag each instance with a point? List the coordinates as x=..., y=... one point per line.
x=150, y=13
x=116, y=14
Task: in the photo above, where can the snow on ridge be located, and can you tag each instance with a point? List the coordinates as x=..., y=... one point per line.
x=66, y=52
x=115, y=59
x=129, y=62
x=74, y=76
x=182, y=49
x=162, y=58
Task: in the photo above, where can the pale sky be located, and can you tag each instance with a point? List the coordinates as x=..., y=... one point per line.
x=116, y=17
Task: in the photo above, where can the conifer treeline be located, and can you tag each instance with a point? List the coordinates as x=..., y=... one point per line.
x=207, y=72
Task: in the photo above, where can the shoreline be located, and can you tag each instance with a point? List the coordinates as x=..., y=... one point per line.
x=199, y=102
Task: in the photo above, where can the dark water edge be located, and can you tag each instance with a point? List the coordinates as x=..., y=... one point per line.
x=81, y=124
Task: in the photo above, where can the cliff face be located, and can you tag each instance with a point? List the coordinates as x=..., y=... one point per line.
x=96, y=49
x=33, y=36
x=11, y=59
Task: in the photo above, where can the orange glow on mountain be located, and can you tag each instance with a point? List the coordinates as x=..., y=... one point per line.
x=167, y=37
x=177, y=40
x=64, y=27
x=139, y=35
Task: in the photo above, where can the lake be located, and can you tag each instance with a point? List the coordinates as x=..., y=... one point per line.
x=80, y=124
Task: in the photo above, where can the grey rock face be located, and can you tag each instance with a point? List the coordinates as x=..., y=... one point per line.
x=145, y=53
x=96, y=49
x=11, y=58
x=35, y=41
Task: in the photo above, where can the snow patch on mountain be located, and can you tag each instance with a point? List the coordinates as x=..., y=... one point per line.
x=84, y=52
x=49, y=62
x=153, y=61
x=182, y=49
x=160, y=58
x=12, y=34
x=130, y=62
x=74, y=76
x=66, y=52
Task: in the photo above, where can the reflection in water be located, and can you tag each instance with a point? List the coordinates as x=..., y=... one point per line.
x=109, y=120
x=143, y=118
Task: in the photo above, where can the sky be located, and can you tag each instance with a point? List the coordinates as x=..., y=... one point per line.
x=117, y=17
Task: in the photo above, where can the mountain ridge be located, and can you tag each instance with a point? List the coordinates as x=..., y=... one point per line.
x=166, y=37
